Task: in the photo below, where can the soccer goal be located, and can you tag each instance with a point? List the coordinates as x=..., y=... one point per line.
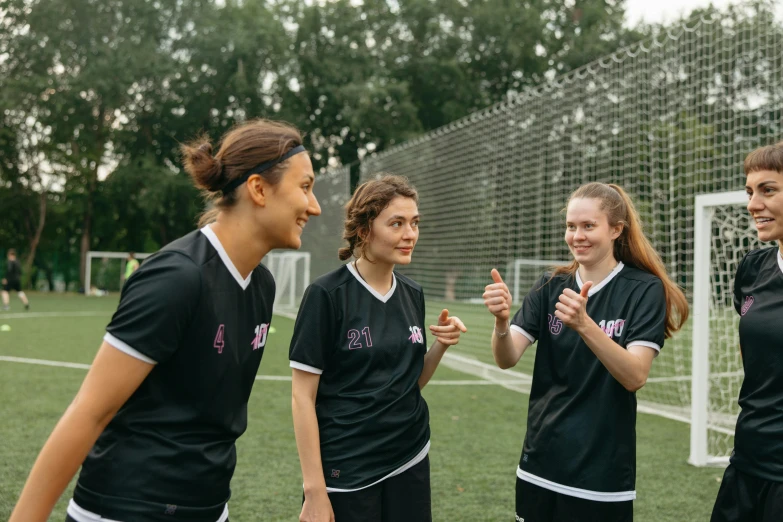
x=526, y=272
x=105, y=271
x=723, y=233
x=291, y=271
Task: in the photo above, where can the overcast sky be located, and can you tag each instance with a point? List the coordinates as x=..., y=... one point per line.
x=656, y=11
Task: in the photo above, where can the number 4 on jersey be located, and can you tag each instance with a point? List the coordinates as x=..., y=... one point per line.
x=219, y=343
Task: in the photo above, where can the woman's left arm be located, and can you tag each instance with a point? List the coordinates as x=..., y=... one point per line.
x=630, y=367
x=447, y=334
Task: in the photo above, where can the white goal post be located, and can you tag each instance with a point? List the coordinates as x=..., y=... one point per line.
x=94, y=254
x=291, y=270
x=723, y=233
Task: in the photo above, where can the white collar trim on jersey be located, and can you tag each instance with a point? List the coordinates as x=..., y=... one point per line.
x=780, y=258
x=244, y=283
x=381, y=298
x=603, y=283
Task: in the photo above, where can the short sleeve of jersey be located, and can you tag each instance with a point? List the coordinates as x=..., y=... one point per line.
x=647, y=322
x=156, y=306
x=527, y=320
x=313, y=332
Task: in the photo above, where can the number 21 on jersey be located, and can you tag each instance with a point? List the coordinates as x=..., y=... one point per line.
x=355, y=338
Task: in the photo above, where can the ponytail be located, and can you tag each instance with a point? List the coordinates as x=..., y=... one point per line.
x=632, y=247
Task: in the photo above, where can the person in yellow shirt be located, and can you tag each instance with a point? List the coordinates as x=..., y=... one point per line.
x=130, y=266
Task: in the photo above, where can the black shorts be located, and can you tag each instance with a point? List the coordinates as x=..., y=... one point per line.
x=537, y=504
x=13, y=286
x=403, y=498
x=745, y=498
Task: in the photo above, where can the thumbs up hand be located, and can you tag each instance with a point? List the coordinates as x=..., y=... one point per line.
x=448, y=329
x=572, y=308
x=497, y=297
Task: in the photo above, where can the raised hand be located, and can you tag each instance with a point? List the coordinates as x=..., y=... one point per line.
x=572, y=308
x=497, y=297
x=449, y=329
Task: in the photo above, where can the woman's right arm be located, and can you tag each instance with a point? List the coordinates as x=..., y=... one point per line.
x=508, y=346
x=304, y=388
x=112, y=379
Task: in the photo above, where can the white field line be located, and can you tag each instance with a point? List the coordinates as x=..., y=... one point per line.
x=721, y=375
x=41, y=362
x=487, y=373
x=677, y=416
x=285, y=378
x=38, y=315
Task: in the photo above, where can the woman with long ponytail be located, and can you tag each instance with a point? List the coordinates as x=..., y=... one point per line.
x=599, y=323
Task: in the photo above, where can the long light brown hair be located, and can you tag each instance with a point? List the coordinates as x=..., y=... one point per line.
x=632, y=247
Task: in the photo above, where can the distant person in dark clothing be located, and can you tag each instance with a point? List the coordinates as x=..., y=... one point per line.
x=12, y=281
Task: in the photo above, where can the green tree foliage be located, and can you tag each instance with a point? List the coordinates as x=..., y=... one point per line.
x=97, y=95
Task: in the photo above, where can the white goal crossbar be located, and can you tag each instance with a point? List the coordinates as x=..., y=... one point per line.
x=518, y=291
x=703, y=215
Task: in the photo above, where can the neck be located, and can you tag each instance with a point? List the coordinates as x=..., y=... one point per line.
x=244, y=246
x=378, y=275
x=599, y=271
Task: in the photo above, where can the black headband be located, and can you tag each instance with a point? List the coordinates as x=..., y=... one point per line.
x=261, y=168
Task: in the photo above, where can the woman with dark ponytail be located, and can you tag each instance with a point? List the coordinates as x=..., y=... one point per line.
x=359, y=362
x=155, y=422
x=599, y=323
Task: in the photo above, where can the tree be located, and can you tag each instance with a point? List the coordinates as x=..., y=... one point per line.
x=84, y=67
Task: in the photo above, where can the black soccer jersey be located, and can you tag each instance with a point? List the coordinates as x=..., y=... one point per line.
x=369, y=350
x=169, y=453
x=13, y=272
x=581, y=428
x=758, y=298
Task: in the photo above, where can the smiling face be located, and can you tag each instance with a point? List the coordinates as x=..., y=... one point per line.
x=394, y=233
x=290, y=204
x=765, y=204
x=588, y=233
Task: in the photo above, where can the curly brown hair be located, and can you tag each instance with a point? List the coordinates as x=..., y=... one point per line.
x=367, y=202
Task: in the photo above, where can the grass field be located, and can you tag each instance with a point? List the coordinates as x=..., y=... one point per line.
x=477, y=427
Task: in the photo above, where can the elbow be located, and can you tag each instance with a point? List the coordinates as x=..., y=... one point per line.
x=300, y=401
x=636, y=384
x=97, y=416
x=296, y=401
x=504, y=365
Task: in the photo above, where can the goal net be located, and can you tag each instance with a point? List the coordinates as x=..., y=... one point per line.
x=105, y=271
x=321, y=238
x=667, y=119
x=724, y=233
